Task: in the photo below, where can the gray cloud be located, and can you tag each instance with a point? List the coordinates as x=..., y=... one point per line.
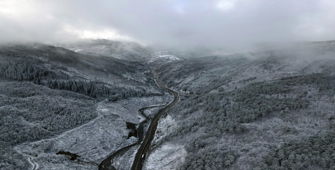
x=171, y=23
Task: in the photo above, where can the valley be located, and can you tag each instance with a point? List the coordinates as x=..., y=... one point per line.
x=128, y=107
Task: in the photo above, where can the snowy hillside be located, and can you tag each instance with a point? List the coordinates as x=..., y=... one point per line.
x=257, y=110
x=69, y=109
x=66, y=106
x=117, y=49
x=163, y=56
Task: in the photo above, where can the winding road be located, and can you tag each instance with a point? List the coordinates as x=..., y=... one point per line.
x=32, y=162
x=106, y=163
x=141, y=153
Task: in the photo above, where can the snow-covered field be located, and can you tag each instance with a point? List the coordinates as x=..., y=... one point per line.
x=93, y=141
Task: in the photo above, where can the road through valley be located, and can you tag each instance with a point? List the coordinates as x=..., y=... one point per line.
x=141, y=152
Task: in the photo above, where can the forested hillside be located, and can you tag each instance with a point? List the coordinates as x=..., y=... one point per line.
x=268, y=109
x=130, y=51
x=47, y=90
x=60, y=68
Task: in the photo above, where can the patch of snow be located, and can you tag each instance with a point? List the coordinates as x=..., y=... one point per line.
x=163, y=55
x=141, y=118
x=168, y=156
x=165, y=126
x=128, y=109
x=126, y=160
x=140, y=77
x=75, y=49
x=153, y=111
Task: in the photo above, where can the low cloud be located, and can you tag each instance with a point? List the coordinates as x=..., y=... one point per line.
x=232, y=24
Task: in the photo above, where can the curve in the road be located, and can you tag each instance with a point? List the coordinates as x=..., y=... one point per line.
x=106, y=163
x=33, y=163
x=141, y=153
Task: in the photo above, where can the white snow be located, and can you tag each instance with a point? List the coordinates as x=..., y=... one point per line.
x=165, y=126
x=92, y=141
x=168, y=156
x=75, y=49
x=163, y=55
x=128, y=109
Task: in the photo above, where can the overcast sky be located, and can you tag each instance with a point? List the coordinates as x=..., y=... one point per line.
x=183, y=23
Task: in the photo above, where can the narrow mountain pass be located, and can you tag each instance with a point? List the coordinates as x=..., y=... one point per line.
x=141, y=153
x=106, y=164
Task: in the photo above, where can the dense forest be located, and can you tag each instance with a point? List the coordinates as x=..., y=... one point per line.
x=25, y=66
x=214, y=109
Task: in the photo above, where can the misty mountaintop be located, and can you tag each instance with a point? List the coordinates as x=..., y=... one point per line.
x=130, y=51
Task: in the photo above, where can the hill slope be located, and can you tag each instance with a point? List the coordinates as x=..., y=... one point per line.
x=52, y=94
x=117, y=49
x=257, y=110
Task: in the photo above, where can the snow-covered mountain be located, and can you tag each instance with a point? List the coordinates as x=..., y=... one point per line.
x=163, y=56
x=130, y=51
